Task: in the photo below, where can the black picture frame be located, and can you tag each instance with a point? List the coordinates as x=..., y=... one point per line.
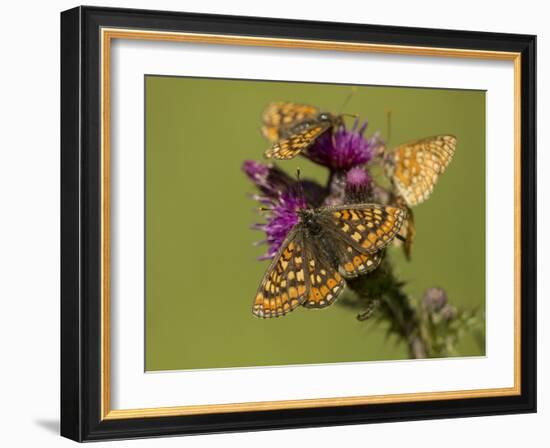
x=81, y=226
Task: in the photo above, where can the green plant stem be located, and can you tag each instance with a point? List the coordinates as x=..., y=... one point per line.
x=394, y=306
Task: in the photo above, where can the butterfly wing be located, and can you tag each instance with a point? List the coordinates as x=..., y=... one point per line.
x=352, y=262
x=291, y=146
x=283, y=287
x=367, y=228
x=324, y=282
x=415, y=167
x=279, y=117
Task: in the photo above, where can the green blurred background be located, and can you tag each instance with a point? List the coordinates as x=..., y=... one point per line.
x=201, y=267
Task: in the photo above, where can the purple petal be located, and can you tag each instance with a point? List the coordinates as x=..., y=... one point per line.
x=281, y=219
x=342, y=149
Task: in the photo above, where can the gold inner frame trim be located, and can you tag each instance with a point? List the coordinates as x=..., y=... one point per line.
x=107, y=35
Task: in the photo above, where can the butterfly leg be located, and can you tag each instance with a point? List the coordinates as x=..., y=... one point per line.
x=371, y=308
x=333, y=137
x=410, y=230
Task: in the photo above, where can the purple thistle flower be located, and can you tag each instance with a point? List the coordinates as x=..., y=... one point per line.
x=282, y=216
x=342, y=149
x=448, y=312
x=282, y=197
x=358, y=185
x=435, y=299
x=357, y=178
x=256, y=171
x=269, y=179
x=272, y=181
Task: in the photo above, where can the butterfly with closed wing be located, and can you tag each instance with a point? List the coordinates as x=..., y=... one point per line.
x=413, y=169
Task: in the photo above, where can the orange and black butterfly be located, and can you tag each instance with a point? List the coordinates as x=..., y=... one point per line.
x=292, y=128
x=415, y=167
x=325, y=247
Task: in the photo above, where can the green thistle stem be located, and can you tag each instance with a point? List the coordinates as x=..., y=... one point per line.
x=394, y=306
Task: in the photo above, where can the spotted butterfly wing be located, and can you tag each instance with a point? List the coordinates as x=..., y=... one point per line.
x=352, y=262
x=279, y=117
x=324, y=282
x=376, y=225
x=373, y=226
x=291, y=146
x=283, y=287
x=415, y=167
x=367, y=228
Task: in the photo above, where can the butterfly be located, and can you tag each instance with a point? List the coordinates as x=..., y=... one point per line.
x=326, y=246
x=292, y=128
x=414, y=167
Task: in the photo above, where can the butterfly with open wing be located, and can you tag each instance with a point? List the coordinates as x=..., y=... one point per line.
x=325, y=247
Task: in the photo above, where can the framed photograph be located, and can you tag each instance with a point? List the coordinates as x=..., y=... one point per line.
x=276, y=224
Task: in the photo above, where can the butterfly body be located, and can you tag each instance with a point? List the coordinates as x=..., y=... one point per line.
x=325, y=120
x=292, y=128
x=314, y=227
x=326, y=246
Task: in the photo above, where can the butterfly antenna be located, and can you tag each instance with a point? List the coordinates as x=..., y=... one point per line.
x=352, y=92
x=388, y=125
x=371, y=308
x=349, y=115
x=300, y=186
